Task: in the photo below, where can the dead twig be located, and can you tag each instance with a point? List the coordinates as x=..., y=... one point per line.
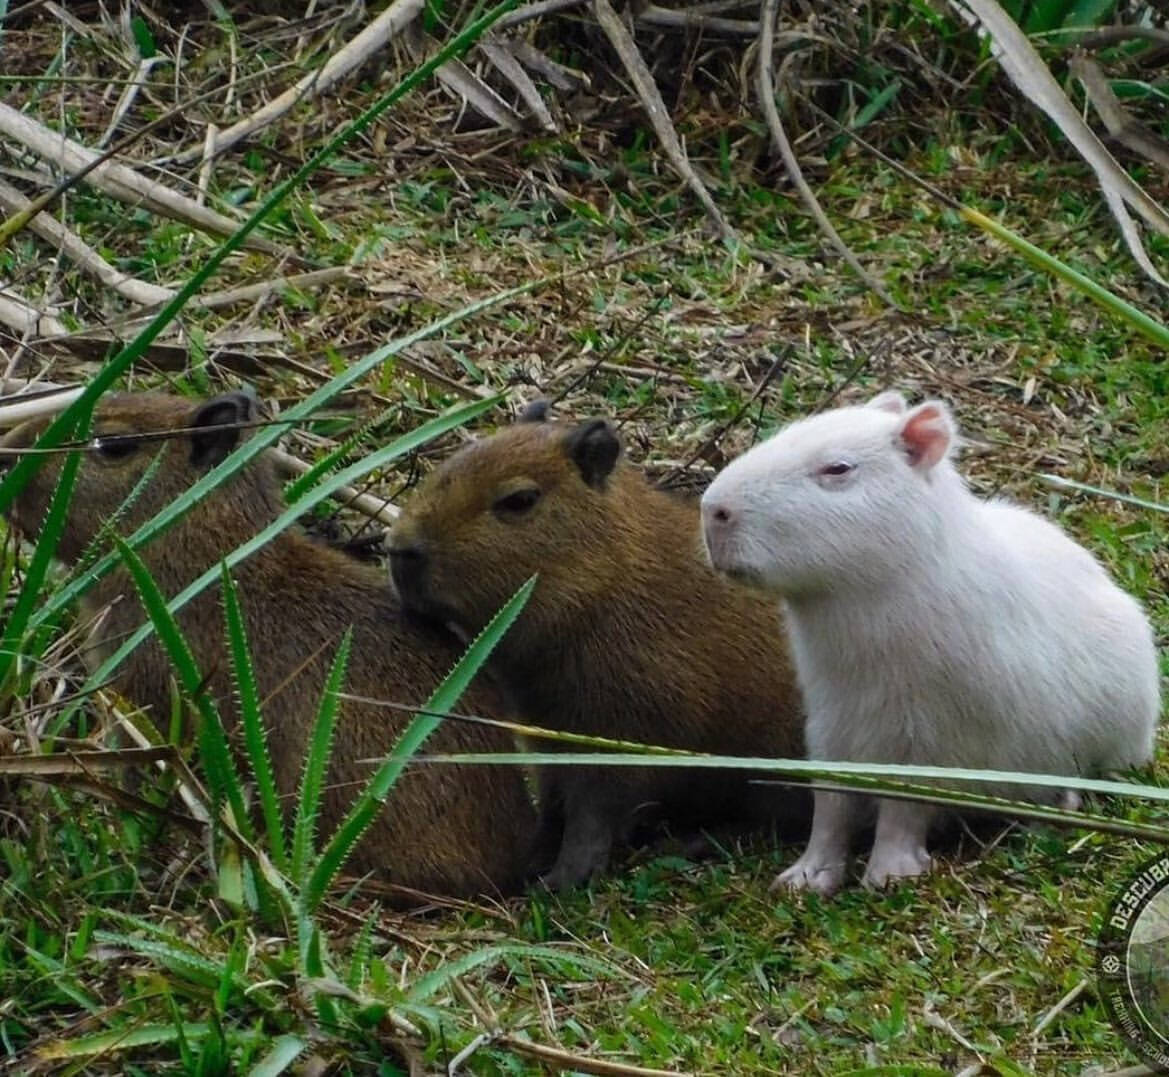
x=1130, y=133
x=1117, y=35
x=687, y=19
x=81, y=253
x=509, y=67
x=766, y=89
x=114, y=179
x=23, y=318
x=566, y=1060
x=712, y=442
x=651, y=100
x=533, y=11
x=400, y=14
x=563, y=78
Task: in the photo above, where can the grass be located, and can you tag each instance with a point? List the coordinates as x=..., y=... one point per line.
x=110, y=924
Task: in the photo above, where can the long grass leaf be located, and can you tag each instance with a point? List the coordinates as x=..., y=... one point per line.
x=255, y=736
x=184, y=962
x=370, y=801
x=427, y=985
x=826, y=769
x=1099, y=491
x=312, y=782
x=399, y=447
x=116, y=366
x=222, y=776
x=1153, y=329
x=1026, y=69
x=106, y=1043
x=42, y=558
x=879, y=779
x=285, y=1051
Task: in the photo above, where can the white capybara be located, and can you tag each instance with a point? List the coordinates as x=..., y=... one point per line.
x=928, y=626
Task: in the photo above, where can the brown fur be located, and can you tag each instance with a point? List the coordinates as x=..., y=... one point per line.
x=455, y=831
x=629, y=633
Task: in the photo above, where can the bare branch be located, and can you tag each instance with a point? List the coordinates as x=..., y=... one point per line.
x=81, y=253
x=1130, y=133
x=766, y=88
x=346, y=59
x=651, y=99
x=117, y=180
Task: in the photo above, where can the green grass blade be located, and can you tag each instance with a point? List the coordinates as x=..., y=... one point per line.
x=312, y=783
x=285, y=1051
x=1038, y=257
x=120, y=363
x=42, y=558
x=255, y=736
x=1099, y=491
x=399, y=447
x=183, y=962
x=263, y=438
x=877, y=778
x=296, y=489
x=369, y=803
x=121, y=1040
x=425, y=987
x=807, y=768
x=222, y=776
x=362, y=951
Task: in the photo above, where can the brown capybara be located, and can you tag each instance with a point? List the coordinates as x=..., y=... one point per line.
x=629, y=633
x=444, y=830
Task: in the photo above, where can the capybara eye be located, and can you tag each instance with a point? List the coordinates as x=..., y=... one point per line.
x=115, y=448
x=518, y=501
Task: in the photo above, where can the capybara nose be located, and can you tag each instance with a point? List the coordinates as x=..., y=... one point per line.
x=407, y=563
x=717, y=516
x=717, y=523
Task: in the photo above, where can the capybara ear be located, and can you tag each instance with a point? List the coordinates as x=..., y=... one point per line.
x=890, y=401
x=927, y=434
x=214, y=433
x=535, y=412
x=594, y=447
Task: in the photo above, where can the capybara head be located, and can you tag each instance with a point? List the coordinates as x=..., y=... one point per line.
x=537, y=497
x=840, y=497
x=145, y=450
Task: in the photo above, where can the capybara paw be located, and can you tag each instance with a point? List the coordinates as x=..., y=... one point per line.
x=888, y=865
x=811, y=874
x=565, y=876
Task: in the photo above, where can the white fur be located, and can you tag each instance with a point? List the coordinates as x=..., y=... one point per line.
x=928, y=626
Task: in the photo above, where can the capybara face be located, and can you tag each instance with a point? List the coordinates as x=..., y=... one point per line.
x=530, y=499
x=833, y=498
x=130, y=477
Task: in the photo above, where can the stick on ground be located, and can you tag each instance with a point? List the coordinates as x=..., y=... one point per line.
x=766, y=87
x=651, y=99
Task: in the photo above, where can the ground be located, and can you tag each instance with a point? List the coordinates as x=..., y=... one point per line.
x=686, y=965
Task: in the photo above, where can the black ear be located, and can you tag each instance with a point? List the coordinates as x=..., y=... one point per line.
x=209, y=446
x=535, y=412
x=594, y=448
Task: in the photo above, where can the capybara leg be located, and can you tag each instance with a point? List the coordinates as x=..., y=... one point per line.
x=585, y=850
x=899, y=850
x=825, y=860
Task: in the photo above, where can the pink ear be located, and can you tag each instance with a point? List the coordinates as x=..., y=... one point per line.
x=890, y=401
x=927, y=434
